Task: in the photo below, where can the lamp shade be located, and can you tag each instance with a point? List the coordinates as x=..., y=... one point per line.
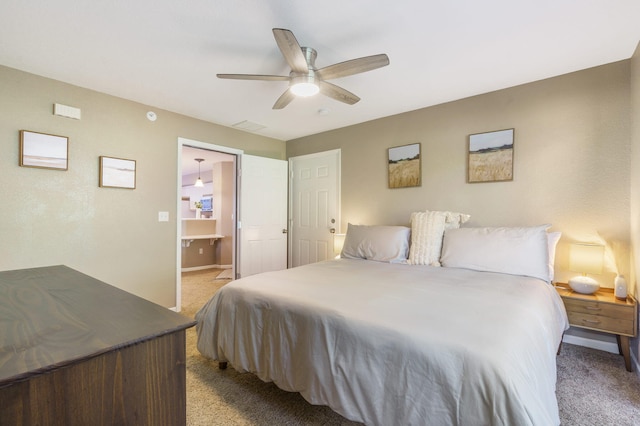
x=338, y=242
x=586, y=258
x=199, y=181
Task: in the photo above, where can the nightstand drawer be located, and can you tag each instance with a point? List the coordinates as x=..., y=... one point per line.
x=601, y=309
x=603, y=323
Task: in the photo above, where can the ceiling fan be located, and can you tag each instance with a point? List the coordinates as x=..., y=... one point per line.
x=305, y=79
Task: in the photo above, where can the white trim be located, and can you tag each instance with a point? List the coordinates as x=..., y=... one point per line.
x=202, y=268
x=211, y=147
x=591, y=343
x=319, y=154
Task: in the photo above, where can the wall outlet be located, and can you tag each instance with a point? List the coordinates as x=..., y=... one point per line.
x=163, y=216
x=201, y=251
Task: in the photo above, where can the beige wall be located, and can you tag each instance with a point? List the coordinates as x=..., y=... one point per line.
x=635, y=173
x=571, y=166
x=50, y=217
x=191, y=256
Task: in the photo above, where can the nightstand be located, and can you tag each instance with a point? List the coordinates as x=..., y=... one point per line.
x=601, y=311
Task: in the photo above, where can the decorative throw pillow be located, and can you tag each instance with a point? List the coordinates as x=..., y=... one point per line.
x=427, y=231
x=515, y=251
x=376, y=242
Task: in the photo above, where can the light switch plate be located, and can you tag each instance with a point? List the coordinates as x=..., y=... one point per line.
x=163, y=216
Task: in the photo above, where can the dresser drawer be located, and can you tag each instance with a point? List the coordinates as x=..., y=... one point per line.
x=600, y=309
x=601, y=322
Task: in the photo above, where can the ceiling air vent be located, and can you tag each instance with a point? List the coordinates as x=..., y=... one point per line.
x=248, y=126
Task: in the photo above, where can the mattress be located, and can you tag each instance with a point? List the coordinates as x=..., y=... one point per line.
x=395, y=344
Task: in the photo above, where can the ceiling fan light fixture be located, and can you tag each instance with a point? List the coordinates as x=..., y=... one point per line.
x=304, y=86
x=307, y=80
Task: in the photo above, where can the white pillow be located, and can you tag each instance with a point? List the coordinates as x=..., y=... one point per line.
x=427, y=231
x=515, y=251
x=552, y=239
x=378, y=242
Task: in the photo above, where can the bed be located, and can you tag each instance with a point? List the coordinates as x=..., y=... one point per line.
x=402, y=343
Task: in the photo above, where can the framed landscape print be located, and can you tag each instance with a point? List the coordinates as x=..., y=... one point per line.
x=43, y=150
x=117, y=173
x=404, y=168
x=490, y=156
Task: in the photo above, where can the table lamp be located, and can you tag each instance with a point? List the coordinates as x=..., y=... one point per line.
x=338, y=242
x=586, y=259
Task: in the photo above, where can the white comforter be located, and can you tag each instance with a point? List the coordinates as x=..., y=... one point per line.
x=390, y=344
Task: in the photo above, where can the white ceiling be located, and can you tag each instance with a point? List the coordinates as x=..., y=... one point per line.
x=166, y=53
x=190, y=165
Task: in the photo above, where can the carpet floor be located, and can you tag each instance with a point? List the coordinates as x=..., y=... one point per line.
x=593, y=389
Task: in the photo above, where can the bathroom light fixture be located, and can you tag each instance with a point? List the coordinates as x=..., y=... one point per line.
x=199, y=181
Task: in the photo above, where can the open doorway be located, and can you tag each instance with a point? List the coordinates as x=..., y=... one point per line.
x=259, y=202
x=207, y=202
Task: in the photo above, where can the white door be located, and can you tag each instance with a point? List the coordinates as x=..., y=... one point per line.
x=263, y=215
x=314, y=206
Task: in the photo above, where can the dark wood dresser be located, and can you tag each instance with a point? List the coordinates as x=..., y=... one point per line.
x=77, y=351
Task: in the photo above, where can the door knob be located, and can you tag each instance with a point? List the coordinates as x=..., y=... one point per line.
x=284, y=231
x=332, y=230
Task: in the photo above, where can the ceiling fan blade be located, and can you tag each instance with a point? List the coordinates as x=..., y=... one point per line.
x=291, y=50
x=254, y=77
x=338, y=93
x=284, y=100
x=354, y=66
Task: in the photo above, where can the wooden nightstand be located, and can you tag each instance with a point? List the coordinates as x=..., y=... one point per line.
x=601, y=311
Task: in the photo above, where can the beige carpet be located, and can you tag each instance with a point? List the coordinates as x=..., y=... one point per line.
x=593, y=388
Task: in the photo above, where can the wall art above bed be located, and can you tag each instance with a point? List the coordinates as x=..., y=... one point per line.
x=490, y=156
x=404, y=168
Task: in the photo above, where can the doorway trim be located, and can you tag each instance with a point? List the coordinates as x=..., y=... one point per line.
x=211, y=147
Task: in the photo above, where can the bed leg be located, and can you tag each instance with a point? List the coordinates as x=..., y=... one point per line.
x=222, y=365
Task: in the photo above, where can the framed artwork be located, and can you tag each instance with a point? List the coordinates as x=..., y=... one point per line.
x=117, y=173
x=490, y=156
x=404, y=168
x=43, y=150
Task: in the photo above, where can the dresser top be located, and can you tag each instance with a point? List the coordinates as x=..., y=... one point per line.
x=53, y=316
x=602, y=295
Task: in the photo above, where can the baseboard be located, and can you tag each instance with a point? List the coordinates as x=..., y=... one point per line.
x=591, y=343
x=635, y=364
x=201, y=268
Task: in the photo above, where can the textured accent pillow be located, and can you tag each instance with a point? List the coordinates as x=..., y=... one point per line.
x=427, y=231
x=515, y=251
x=376, y=242
x=552, y=239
